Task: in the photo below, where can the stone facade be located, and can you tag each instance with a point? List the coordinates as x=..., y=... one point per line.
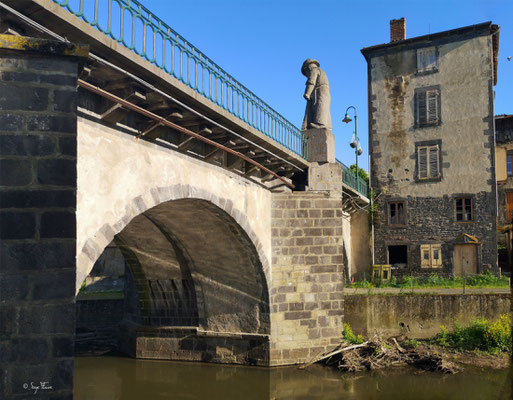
x=431, y=138
x=307, y=303
x=37, y=207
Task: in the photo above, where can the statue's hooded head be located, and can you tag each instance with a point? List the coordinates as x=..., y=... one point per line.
x=304, y=68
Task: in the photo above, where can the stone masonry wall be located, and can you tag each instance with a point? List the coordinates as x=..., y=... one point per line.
x=432, y=220
x=37, y=214
x=307, y=275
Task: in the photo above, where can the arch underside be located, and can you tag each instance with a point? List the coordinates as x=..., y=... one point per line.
x=193, y=275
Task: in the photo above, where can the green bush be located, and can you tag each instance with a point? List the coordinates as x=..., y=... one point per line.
x=411, y=343
x=480, y=334
x=362, y=284
x=349, y=336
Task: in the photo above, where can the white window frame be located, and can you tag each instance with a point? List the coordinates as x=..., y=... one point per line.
x=430, y=261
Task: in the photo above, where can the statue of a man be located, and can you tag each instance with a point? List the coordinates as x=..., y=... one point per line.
x=317, y=95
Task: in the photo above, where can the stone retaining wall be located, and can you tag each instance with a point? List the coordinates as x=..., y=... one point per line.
x=420, y=315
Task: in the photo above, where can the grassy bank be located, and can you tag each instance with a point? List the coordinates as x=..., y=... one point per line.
x=486, y=280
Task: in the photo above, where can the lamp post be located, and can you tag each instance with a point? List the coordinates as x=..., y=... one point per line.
x=355, y=143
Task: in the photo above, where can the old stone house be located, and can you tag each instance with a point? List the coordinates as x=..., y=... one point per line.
x=431, y=122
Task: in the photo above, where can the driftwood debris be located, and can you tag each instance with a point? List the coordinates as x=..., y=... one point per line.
x=339, y=350
x=377, y=353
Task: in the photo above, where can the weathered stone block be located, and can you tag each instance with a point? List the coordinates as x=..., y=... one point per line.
x=43, y=123
x=29, y=145
x=17, y=225
x=16, y=257
x=48, y=285
x=57, y=172
x=68, y=146
x=10, y=122
x=23, y=98
x=13, y=287
x=15, y=172
x=58, y=224
x=37, y=198
x=321, y=145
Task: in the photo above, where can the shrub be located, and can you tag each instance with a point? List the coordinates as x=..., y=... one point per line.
x=411, y=343
x=498, y=335
x=363, y=284
x=349, y=336
x=480, y=334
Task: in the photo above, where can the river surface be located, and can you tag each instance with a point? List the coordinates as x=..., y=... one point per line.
x=110, y=378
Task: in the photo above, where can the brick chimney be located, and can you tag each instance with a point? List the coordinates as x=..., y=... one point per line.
x=397, y=29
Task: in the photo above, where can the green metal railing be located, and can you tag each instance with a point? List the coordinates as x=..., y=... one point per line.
x=135, y=27
x=350, y=178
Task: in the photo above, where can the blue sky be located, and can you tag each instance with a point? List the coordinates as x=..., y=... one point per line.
x=262, y=43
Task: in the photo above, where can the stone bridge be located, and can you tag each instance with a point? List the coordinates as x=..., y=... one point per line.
x=235, y=241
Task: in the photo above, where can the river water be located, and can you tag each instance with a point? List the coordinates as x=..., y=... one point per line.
x=110, y=378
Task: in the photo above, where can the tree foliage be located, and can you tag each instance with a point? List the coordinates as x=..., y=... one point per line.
x=361, y=172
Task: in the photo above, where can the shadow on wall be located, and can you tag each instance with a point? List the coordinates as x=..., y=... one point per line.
x=184, y=263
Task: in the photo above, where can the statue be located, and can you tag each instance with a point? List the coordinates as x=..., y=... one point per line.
x=317, y=95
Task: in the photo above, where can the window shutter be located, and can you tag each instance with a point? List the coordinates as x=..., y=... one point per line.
x=509, y=206
x=432, y=106
x=436, y=255
x=421, y=108
x=423, y=166
x=433, y=162
x=431, y=58
x=425, y=256
x=420, y=60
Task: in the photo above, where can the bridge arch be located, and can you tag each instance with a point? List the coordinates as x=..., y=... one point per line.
x=206, y=247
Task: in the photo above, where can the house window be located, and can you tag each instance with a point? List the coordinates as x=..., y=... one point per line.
x=427, y=59
x=509, y=162
x=427, y=106
x=428, y=162
x=431, y=256
x=396, y=213
x=463, y=209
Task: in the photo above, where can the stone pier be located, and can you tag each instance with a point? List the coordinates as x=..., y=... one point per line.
x=37, y=212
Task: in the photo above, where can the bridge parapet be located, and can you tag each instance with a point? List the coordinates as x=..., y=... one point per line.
x=113, y=67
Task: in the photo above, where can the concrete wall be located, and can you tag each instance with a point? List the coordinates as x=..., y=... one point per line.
x=467, y=146
x=423, y=314
x=37, y=214
x=120, y=177
x=361, y=257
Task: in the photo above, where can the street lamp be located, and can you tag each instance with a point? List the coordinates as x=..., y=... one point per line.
x=355, y=144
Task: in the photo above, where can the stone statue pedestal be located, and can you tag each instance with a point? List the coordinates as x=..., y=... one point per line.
x=325, y=176
x=321, y=145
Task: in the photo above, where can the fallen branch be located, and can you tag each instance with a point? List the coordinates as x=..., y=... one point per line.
x=399, y=348
x=331, y=354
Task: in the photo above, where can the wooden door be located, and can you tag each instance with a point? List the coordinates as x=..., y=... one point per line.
x=465, y=259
